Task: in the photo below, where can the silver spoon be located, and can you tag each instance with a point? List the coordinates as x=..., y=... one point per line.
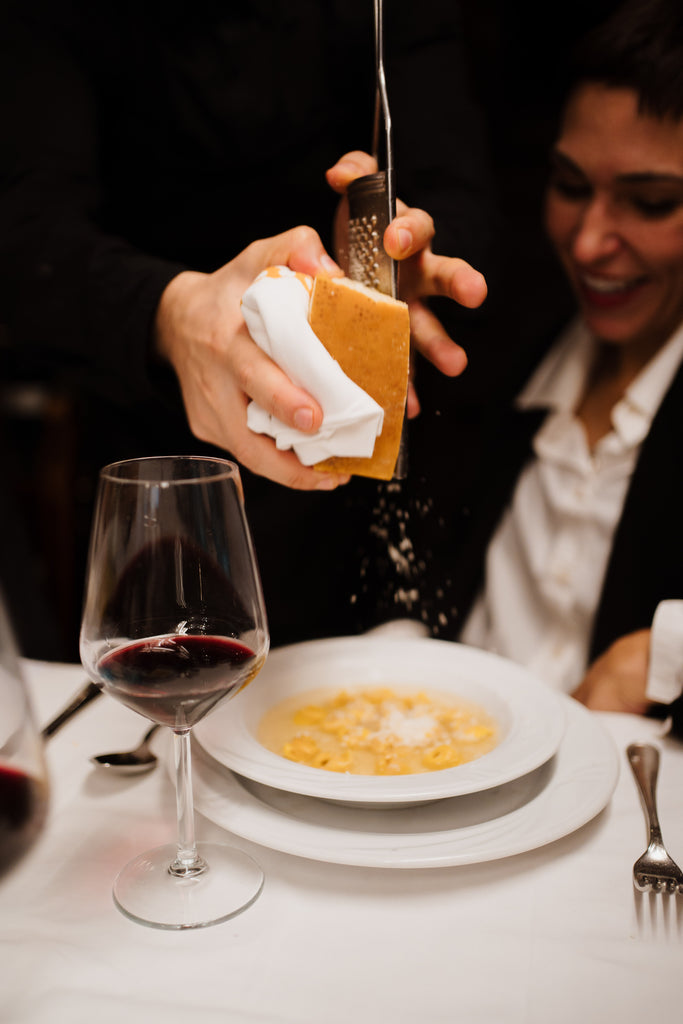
x=130, y=762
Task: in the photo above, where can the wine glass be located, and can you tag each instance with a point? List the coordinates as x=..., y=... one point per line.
x=23, y=774
x=174, y=624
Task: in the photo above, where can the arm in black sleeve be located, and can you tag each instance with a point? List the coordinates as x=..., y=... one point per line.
x=69, y=289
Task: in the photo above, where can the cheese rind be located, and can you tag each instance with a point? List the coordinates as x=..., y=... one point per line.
x=368, y=333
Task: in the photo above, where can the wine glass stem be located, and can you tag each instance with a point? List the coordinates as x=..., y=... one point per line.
x=187, y=863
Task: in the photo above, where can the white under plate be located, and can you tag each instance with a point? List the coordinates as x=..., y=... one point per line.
x=543, y=806
x=531, y=716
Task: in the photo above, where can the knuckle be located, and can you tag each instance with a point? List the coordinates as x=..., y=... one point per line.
x=245, y=375
x=428, y=223
x=299, y=481
x=303, y=235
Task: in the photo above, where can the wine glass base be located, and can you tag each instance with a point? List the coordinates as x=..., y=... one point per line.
x=146, y=891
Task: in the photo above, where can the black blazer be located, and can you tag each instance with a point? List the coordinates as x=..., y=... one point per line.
x=646, y=562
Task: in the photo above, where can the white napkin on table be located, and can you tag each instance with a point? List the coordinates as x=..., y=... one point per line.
x=275, y=308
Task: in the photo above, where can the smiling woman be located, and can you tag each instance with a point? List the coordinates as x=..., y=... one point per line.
x=575, y=537
x=614, y=211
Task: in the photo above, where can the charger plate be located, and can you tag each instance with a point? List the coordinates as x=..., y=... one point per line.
x=531, y=716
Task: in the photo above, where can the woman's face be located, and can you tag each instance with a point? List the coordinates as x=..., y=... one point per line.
x=614, y=212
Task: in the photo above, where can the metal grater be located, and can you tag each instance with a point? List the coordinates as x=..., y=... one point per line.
x=372, y=207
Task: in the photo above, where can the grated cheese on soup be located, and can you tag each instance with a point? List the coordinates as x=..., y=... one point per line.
x=378, y=731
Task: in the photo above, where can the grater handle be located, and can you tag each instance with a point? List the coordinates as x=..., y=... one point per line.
x=383, y=114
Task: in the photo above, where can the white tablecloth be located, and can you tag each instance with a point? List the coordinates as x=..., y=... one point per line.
x=556, y=935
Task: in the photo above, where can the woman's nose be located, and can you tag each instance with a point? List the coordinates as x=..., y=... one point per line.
x=596, y=235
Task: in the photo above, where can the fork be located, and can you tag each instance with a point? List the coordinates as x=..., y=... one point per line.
x=654, y=871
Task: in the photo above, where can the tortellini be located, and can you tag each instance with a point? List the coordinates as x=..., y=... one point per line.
x=378, y=731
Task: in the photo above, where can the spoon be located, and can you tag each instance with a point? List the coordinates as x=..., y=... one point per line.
x=130, y=762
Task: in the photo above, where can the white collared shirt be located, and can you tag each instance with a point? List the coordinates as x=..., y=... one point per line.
x=546, y=561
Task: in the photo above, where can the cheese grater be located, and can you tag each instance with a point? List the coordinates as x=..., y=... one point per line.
x=372, y=207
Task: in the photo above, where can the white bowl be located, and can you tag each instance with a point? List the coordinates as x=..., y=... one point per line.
x=530, y=715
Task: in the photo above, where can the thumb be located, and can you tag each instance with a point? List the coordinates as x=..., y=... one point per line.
x=301, y=249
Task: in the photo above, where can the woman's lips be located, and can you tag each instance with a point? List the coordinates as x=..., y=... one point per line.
x=609, y=293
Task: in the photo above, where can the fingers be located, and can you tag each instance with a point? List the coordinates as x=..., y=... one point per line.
x=351, y=166
x=412, y=402
x=262, y=380
x=410, y=232
x=201, y=331
x=300, y=248
x=430, y=338
x=216, y=406
x=453, y=278
x=409, y=237
x=260, y=455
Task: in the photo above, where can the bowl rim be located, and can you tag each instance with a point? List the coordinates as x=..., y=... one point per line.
x=535, y=726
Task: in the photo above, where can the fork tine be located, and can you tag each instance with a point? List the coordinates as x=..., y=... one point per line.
x=655, y=871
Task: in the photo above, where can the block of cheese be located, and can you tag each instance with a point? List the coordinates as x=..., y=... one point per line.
x=368, y=333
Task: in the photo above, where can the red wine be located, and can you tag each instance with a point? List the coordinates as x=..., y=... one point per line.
x=23, y=806
x=176, y=680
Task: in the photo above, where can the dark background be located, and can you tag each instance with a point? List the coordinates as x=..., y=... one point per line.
x=52, y=437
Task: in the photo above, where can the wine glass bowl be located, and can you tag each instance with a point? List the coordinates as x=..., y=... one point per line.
x=174, y=625
x=23, y=774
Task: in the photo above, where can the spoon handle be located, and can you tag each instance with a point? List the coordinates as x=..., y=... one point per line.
x=82, y=698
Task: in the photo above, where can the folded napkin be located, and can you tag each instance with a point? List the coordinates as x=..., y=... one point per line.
x=275, y=308
x=665, y=674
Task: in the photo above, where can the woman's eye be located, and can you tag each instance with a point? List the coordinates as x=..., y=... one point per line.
x=656, y=209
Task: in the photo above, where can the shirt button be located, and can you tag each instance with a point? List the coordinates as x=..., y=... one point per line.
x=563, y=576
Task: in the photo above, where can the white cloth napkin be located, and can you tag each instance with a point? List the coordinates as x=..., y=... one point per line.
x=275, y=308
x=665, y=674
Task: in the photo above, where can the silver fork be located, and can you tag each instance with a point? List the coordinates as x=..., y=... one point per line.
x=654, y=871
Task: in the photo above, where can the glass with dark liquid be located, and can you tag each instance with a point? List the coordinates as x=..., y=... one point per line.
x=174, y=625
x=23, y=776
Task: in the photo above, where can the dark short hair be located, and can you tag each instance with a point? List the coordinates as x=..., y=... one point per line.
x=640, y=47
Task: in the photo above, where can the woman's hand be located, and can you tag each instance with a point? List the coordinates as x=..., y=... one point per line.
x=616, y=681
x=200, y=331
x=408, y=239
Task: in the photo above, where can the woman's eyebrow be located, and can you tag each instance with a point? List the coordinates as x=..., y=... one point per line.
x=644, y=177
x=561, y=161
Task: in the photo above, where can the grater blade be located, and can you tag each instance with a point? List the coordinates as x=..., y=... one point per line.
x=369, y=217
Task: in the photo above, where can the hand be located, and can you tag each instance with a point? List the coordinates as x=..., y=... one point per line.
x=200, y=331
x=616, y=681
x=408, y=239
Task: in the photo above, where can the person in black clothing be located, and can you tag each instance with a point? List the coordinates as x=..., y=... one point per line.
x=144, y=147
